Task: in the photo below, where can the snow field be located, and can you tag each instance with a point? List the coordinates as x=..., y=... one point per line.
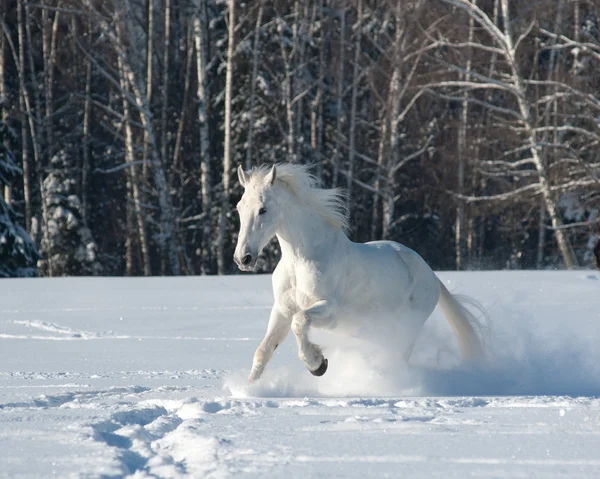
x=146, y=377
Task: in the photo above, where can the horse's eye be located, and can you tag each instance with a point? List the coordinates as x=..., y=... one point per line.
x=262, y=211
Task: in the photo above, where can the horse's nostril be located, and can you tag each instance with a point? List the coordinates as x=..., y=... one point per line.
x=246, y=260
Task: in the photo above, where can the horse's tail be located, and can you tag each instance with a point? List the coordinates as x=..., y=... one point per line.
x=463, y=323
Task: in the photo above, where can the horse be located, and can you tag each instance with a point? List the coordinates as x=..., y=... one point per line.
x=326, y=281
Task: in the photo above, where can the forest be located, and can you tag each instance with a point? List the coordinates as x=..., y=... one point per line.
x=468, y=130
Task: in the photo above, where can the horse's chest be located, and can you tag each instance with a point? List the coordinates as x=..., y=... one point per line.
x=303, y=286
x=294, y=299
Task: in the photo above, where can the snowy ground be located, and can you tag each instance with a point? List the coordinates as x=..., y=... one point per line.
x=112, y=377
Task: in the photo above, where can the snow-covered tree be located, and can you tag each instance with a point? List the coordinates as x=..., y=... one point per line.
x=68, y=248
x=18, y=254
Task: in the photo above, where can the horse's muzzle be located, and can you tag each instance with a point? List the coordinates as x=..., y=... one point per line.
x=246, y=263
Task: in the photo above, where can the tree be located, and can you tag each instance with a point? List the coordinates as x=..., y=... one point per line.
x=69, y=249
x=527, y=159
x=18, y=254
x=465, y=129
x=227, y=153
x=203, y=96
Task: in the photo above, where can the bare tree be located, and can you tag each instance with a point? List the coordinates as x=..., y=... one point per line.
x=133, y=184
x=515, y=85
x=355, y=81
x=150, y=7
x=337, y=158
x=460, y=246
x=223, y=218
x=201, y=42
x=87, y=137
x=25, y=107
x=165, y=84
x=7, y=193
x=255, y=58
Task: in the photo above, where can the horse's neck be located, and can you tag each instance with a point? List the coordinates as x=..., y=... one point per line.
x=302, y=233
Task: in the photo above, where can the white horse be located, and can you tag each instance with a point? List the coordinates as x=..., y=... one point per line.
x=324, y=280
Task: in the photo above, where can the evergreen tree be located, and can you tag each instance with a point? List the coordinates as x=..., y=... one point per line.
x=68, y=248
x=18, y=254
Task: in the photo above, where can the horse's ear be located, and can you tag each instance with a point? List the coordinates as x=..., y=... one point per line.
x=243, y=177
x=270, y=178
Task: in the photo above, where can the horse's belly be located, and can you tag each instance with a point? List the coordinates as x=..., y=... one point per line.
x=391, y=295
x=392, y=277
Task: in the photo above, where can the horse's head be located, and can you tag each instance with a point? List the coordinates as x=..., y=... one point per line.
x=259, y=216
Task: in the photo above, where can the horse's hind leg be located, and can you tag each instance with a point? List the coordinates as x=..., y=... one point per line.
x=319, y=313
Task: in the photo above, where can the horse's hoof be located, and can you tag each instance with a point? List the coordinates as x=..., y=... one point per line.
x=321, y=369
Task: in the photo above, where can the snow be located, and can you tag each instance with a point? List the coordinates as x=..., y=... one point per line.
x=147, y=377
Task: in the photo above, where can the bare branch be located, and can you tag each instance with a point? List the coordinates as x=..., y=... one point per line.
x=533, y=188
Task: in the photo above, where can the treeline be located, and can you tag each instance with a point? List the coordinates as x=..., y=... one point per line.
x=467, y=130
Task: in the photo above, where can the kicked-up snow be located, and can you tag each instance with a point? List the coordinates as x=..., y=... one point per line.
x=146, y=377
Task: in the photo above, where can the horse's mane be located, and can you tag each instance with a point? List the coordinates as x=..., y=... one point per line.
x=329, y=204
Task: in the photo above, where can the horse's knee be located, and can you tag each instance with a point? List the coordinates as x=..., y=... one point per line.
x=298, y=324
x=259, y=355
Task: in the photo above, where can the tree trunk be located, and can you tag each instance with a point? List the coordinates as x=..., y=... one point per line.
x=460, y=243
x=377, y=217
x=23, y=96
x=7, y=193
x=149, y=80
x=355, y=81
x=316, y=113
x=165, y=85
x=299, y=83
x=177, y=162
x=49, y=36
x=541, y=243
x=129, y=235
x=550, y=202
x=255, y=57
x=337, y=157
x=87, y=150
x=289, y=107
x=201, y=40
x=388, y=201
x=576, y=20
x=35, y=114
x=35, y=127
x=221, y=243
x=134, y=183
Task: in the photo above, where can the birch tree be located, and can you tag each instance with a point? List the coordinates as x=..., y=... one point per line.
x=131, y=71
x=254, y=74
x=203, y=96
x=514, y=84
x=227, y=154
x=355, y=86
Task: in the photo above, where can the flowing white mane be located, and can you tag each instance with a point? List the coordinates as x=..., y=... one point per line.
x=329, y=204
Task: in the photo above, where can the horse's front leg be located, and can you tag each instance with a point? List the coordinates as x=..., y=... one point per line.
x=319, y=315
x=277, y=330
